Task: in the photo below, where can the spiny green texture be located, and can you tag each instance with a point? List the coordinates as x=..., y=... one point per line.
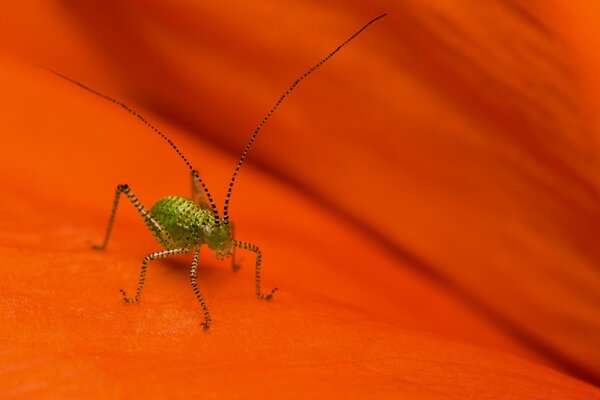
x=188, y=224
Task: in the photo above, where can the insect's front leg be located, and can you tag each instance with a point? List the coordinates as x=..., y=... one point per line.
x=124, y=188
x=149, y=257
x=197, y=194
x=254, y=248
x=193, y=277
x=234, y=266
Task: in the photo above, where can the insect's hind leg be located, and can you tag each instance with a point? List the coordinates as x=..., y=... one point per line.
x=197, y=194
x=150, y=222
x=142, y=279
x=254, y=248
x=193, y=276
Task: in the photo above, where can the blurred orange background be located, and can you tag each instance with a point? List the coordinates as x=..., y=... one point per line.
x=427, y=201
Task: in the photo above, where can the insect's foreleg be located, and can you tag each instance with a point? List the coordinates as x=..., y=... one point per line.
x=149, y=257
x=234, y=266
x=254, y=248
x=123, y=188
x=193, y=277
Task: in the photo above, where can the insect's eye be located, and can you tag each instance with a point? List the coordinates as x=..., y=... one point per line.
x=207, y=229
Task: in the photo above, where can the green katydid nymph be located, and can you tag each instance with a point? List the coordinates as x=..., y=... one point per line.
x=182, y=225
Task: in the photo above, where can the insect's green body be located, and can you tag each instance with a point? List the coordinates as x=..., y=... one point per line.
x=187, y=224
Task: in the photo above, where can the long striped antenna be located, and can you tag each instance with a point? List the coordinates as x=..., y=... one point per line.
x=277, y=104
x=155, y=129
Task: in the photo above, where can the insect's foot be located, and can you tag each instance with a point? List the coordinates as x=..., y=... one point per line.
x=206, y=325
x=127, y=300
x=95, y=246
x=267, y=296
x=236, y=264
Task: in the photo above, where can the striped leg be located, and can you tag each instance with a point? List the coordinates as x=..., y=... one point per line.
x=254, y=248
x=197, y=194
x=154, y=226
x=234, y=266
x=193, y=276
x=149, y=257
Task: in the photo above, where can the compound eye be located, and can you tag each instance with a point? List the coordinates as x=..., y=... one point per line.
x=207, y=230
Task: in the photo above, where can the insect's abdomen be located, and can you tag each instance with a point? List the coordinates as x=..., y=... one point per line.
x=183, y=219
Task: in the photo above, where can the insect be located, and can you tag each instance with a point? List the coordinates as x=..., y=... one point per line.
x=182, y=225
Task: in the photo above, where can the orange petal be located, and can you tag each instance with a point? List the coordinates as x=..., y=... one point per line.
x=423, y=228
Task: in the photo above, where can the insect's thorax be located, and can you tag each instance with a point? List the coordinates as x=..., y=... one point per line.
x=184, y=223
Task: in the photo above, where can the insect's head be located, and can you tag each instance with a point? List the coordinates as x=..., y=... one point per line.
x=218, y=239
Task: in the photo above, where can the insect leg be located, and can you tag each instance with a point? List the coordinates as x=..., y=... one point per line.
x=149, y=257
x=234, y=266
x=254, y=248
x=195, y=188
x=197, y=194
x=206, y=323
x=155, y=228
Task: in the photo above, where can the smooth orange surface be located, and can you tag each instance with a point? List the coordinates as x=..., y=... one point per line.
x=427, y=202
